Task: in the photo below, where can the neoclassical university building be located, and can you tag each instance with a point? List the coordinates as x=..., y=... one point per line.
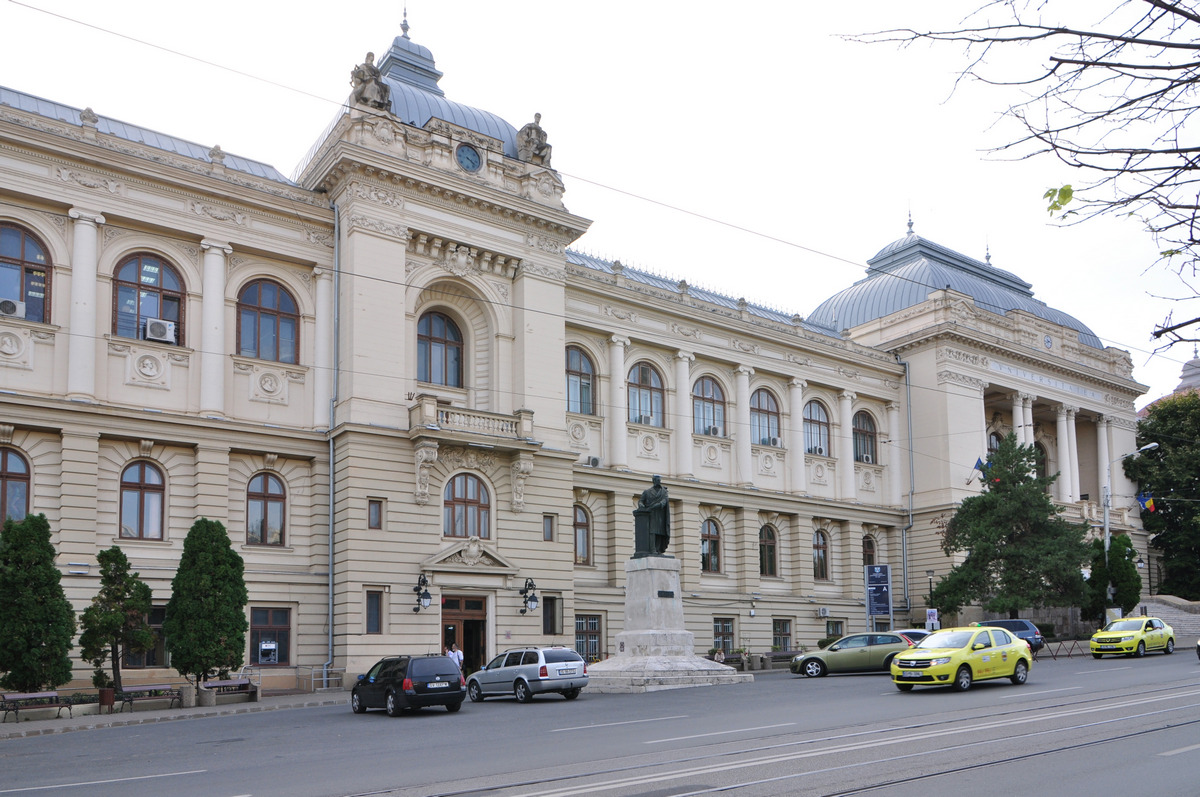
x=391, y=378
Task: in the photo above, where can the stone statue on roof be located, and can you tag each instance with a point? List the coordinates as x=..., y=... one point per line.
x=369, y=88
x=531, y=143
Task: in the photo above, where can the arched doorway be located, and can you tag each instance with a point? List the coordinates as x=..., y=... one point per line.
x=464, y=618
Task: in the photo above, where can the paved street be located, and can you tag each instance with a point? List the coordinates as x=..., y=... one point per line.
x=1077, y=722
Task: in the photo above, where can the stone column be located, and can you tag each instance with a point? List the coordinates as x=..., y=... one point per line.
x=617, y=410
x=896, y=465
x=323, y=349
x=797, y=473
x=844, y=445
x=682, y=431
x=1027, y=417
x=81, y=345
x=1063, y=485
x=212, y=332
x=1018, y=418
x=742, y=438
x=1071, y=412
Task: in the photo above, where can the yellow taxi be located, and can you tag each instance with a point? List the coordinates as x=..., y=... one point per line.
x=1133, y=636
x=960, y=656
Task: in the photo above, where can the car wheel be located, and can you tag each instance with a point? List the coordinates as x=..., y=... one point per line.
x=521, y=690
x=356, y=703
x=963, y=679
x=453, y=707
x=393, y=710
x=1141, y=650
x=1097, y=655
x=887, y=663
x=571, y=694
x=475, y=692
x=1020, y=674
x=814, y=668
x=904, y=687
x=1170, y=648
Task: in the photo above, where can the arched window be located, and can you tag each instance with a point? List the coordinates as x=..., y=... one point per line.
x=268, y=323
x=708, y=407
x=583, y=536
x=645, y=395
x=767, y=548
x=24, y=274
x=710, y=547
x=467, y=509
x=820, y=556
x=14, y=485
x=868, y=550
x=142, y=492
x=149, y=298
x=265, y=505
x=439, y=351
x=994, y=439
x=580, y=375
x=864, y=438
x=764, y=418
x=816, y=429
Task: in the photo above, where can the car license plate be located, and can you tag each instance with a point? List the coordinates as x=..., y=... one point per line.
x=1106, y=647
x=438, y=685
x=910, y=675
x=567, y=672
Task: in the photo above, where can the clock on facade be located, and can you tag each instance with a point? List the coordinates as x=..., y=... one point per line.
x=468, y=157
x=1048, y=341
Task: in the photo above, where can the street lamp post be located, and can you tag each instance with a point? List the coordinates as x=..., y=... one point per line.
x=1108, y=503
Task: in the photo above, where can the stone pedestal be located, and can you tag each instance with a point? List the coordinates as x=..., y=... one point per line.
x=654, y=651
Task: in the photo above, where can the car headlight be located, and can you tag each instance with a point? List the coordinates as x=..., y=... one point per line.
x=1127, y=638
x=940, y=662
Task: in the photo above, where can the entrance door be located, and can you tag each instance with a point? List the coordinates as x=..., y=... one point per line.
x=464, y=618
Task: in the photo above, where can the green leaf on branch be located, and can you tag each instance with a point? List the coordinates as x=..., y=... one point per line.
x=1058, y=198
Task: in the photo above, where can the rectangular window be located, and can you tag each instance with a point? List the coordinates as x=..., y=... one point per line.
x=157, y=655
x=375, y=514
x=374, y=612
x=270, y=635
x=552, y=615
x=723, y=634
x=548, y=528
x=781, y=634
x=587, y=636
x=835, y=628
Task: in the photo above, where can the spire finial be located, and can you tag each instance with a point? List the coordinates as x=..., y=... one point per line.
x=987, y=258
x=404, y=24
x=910, y=229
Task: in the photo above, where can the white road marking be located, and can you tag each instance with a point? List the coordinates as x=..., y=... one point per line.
x=719, y=733
x=1043, y=692
x=1106, y=669
x=99, y=782
x=612, y=724
x=1181, y=750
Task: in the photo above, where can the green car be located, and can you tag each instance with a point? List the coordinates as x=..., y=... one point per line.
x=871, y=652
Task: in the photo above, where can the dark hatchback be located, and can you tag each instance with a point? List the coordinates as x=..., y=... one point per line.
x=1024, y=629
x=400, y=683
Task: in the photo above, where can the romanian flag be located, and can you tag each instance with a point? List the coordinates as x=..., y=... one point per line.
x=1146, y=500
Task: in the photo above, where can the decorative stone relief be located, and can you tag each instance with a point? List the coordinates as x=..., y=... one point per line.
x=144, y=369
x=647, y=446
x=15, y=349
x=425, y=456
x=578, y=435
x=686, y=332
x=88, y=180
x=819, y=474
x=624, y=315
x=374, y=193
x=375, y=225
x=57, y=220
x=521, y=468
x=867, y=480
x=710, y=456
x=216, y=212
x=961, y=379
x=320, y=238
x=456, y=457
x=849, y=374
x=550, y=245
x=472, y=554
x=766, y=464
x=792, y=358
x=6, y=433
x=748, y=348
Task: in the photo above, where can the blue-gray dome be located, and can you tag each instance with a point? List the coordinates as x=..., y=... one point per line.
x=906, y=271
x=409, y=70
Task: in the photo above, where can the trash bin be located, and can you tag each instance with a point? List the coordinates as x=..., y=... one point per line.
x=756, y=661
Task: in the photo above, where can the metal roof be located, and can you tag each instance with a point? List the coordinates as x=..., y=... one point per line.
x=141, y=135
x=906, y=271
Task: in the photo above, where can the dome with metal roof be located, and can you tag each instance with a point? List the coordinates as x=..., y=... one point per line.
x=906, y=271
x=408, y=69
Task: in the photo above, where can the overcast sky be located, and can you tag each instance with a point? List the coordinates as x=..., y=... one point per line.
x=744, y=147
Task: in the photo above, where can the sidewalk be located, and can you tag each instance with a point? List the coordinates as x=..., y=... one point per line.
x=65, y=724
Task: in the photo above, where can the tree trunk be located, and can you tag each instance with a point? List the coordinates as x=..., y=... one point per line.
x=115, y=655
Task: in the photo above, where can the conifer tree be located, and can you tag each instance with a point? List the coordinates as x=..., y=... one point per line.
x=205, y=624
x=1121, y=571
x=115, y=623
x=37, y=622
x=1020, y=553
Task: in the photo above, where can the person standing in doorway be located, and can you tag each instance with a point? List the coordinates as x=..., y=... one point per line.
x=456, y=655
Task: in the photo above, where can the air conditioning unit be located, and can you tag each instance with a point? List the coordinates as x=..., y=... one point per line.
x=819, y=451
x=714, y=431
x=593, y=462
x=866, y=458
x=775, y=441
x=11, y=307
x=646, y=419
x=157, y=329
x=822, y=611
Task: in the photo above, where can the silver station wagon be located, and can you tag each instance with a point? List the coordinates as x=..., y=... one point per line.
x=525, y=672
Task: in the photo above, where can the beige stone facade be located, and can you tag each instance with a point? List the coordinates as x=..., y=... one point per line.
x=388, y=228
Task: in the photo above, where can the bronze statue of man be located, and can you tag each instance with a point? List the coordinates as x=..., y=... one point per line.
x=653, y=518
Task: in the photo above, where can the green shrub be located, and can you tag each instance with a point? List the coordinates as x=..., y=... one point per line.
x=827, y=641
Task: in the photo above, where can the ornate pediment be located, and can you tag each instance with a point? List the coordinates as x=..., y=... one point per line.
x=470, y=555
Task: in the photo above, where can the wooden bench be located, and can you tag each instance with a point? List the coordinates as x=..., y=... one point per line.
x=13, y=702
x=231, y=685
x=131, y=694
